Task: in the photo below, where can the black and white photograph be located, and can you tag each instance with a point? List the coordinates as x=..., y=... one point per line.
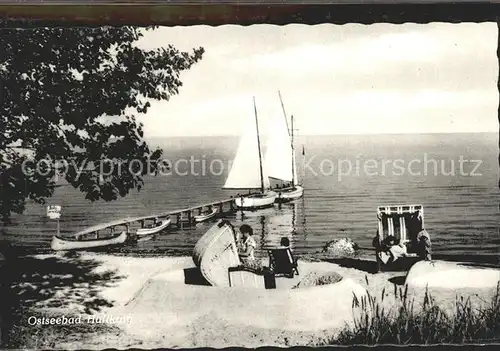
x=248, y=186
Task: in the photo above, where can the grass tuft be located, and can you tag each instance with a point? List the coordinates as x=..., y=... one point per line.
x=402, y=324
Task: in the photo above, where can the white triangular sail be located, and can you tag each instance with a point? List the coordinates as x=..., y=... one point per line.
x=279, y=152
x=245, y=169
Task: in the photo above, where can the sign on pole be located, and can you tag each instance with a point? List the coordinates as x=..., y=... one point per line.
x=54, y=211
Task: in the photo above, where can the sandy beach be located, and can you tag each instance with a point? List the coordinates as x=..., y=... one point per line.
x=150, y=302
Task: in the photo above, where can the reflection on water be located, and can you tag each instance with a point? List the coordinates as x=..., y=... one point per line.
x=272, y=224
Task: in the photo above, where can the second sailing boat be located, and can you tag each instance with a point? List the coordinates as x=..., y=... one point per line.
x=248, y=172
x=280, y=159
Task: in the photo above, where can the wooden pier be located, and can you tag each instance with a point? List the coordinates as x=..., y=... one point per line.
x=186, y=216
x=180, y=218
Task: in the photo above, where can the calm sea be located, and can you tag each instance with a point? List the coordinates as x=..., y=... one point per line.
x=454, y=176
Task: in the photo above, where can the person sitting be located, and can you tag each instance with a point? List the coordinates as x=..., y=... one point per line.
x=248, y=243
x=390, y=249
x=424, y=245
x=285, y=242
x=281, y=260
x=388, y=242
x=396, y=250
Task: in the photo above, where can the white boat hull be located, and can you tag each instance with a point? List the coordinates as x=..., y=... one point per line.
x=290, y=194
x=61, y=244
x=256, y=201
x=204, y=217
x=436, y=275
x=149, y=231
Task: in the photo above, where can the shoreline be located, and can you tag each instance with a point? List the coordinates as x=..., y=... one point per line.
x=162, y=311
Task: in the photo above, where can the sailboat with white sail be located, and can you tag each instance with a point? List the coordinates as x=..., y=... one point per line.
x=280, y=158
x=248, y=172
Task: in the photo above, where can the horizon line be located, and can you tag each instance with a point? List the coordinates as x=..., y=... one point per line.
x=313, y=135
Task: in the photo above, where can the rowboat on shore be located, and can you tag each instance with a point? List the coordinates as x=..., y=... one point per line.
x=206, y=216
x=154, y=228
x=93, y=237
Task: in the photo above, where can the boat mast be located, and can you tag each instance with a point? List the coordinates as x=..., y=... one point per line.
x=290, y=133
x=258, y=145
x=284, y=112
x=303, y=163
x=293, y=158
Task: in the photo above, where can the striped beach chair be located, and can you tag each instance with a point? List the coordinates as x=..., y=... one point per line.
x=402, y=223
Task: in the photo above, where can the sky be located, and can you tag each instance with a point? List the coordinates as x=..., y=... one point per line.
x=334, y=79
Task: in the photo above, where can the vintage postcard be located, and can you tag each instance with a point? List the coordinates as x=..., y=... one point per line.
x=264, y=185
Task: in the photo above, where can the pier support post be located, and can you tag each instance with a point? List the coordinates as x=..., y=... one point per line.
x=190, y=216
x=178, y=220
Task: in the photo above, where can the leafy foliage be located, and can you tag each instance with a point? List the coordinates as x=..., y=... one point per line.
x=73, y=94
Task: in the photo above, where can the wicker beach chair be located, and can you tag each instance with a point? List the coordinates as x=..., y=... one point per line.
x=281, y=261
x=398, y=225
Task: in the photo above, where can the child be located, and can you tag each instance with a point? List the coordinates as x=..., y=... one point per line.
x=249, y=244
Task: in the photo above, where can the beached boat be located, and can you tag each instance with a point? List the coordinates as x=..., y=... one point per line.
x=280, y=159
x=248, y=171
x=96, y=236
x=401, y=237
x=466, y=275
x=206, y=216
x=154, y=228
x=60, y=243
